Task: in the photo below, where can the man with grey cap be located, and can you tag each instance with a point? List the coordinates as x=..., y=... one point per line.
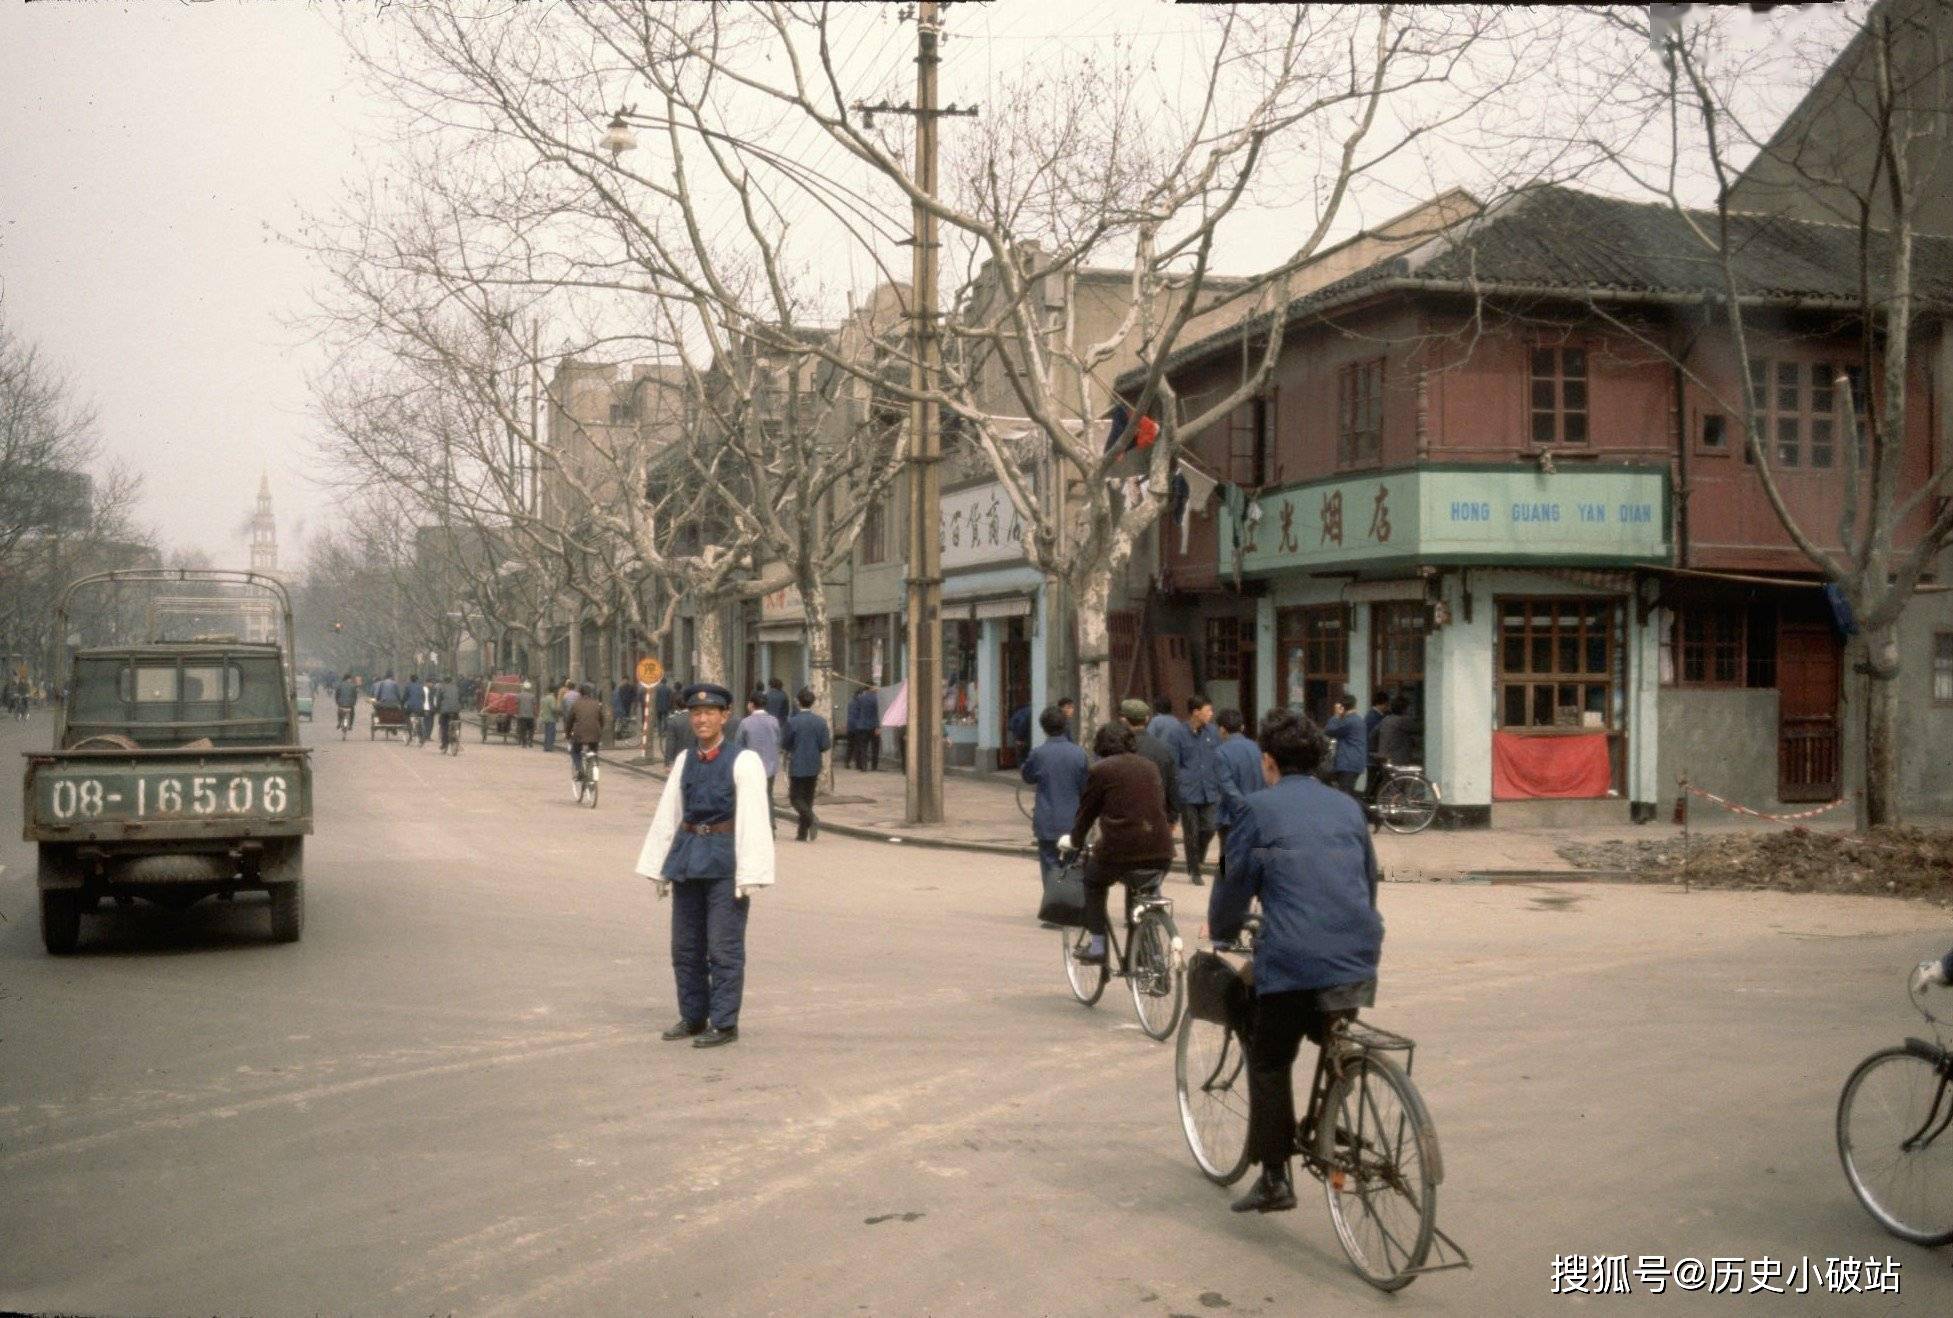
x=1135, y=713
x=710, y=848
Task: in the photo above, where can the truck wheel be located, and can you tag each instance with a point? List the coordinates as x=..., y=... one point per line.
x=287, y=911
x=60, y=920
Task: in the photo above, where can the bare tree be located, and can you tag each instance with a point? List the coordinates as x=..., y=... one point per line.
x=1868, y=149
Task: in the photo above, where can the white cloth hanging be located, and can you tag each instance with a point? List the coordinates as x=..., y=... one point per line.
x=1200, y=488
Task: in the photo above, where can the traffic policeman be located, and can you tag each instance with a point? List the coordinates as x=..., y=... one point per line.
x=710, y=847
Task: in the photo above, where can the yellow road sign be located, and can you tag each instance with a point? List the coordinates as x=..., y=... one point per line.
x=649, y=670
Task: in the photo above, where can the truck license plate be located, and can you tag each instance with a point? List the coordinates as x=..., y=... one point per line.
x=173, y=796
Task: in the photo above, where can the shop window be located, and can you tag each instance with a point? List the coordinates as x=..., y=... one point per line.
x=1223, y=650
x=1397, y=633
x=960, y=694
x=1943, y=668
x=1559, y=395
x=1314, y=652
x=1359, y=412
x=1720, y=644
x=1558, y=663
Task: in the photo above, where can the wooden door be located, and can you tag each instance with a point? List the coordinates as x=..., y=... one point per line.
x=1016, y=655
x=1808, y=670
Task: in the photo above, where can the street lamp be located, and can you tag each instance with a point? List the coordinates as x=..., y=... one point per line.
x=618, y=138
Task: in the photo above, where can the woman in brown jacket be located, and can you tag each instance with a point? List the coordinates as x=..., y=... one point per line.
x=1126, y=799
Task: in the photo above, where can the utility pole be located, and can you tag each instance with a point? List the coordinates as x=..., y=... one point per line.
x=923, y=764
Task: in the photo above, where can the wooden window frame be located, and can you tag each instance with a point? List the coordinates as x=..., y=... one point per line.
x=874, y=540
x=1559, y=382
x=1221, y=651
x=1319, y=640
x=1247, y=443
x=1942, y=641
x=1359, y=413
x=1556, y=675
x=1713, y=641
x=1814, y=419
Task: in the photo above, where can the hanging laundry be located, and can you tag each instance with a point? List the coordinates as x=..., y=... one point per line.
x=1178, y=492
x=1116, y=431
x=1149, y=430
x=1200, y=488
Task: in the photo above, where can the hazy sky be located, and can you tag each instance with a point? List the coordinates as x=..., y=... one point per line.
x=149, y=154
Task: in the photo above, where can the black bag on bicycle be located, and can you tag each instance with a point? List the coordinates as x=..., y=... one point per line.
x=1064, y=895
x=1220, y=991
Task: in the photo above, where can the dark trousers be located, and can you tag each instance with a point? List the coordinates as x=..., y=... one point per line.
x=549, y=735
x=1281, y=1022
x=800, y=794
x=447, y=728
x=857, y=751
x=708, y=949
x=1197, y=823
x=1098, y=887
x=525, y=732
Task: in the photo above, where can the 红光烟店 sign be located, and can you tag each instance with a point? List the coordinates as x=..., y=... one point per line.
x=1614, y=516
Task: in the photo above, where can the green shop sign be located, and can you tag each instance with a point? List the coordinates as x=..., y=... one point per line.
x=1601, y=517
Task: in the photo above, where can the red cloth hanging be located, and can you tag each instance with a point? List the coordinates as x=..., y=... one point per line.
x=1149, y=430
x=1526, y=768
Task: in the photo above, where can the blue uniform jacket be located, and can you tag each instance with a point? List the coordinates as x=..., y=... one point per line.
x=1240, y=776
x=864, y=712
x=1162, y=726
x=1200, y=769
x=1352, y=743
x=805, y=741
x=1303, y=848
x=707, y=791
x=1057, y=768
x=777, y=704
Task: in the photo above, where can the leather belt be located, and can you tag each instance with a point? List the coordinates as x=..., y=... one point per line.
x=723, y=826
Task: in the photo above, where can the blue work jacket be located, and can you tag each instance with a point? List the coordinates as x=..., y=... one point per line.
x=806, y=740
x=1200, y=769
x=1304, y=849
x=864, y=711
x=1352, y=743
x=1057, y=768
x=1240, y=776
x=777, y=704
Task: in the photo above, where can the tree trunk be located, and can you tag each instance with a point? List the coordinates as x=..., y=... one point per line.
x=575, y=664
x=711, y=658
x=1093, y=596
x=820, y=661
x=1882, y=727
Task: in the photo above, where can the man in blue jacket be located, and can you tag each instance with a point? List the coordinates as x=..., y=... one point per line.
x=1057, y=768
x=1352, y=743
x=1239, y=764
x=1303, y=849
x=864, y=730
x=805, y=741
x=776, y=700
x=1195, y=745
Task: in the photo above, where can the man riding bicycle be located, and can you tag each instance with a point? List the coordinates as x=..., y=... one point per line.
x=588, y=718
x=1303, y=849
x=345, y=696
x=1124, y=796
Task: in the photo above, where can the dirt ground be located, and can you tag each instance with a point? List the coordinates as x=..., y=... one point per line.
x=1887, y=862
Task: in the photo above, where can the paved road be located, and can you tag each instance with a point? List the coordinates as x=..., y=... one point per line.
x=450, y=1096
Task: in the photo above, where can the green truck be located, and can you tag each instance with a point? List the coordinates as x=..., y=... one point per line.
x=176, y=772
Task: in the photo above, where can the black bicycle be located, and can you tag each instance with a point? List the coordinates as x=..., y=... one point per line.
x=584, y=775
x=1406, y=801
x=1366, y=1135
x=1893, y=1137
x=1149, y=959
x=344, y=719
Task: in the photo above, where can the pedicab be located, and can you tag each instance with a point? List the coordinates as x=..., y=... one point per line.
x=498, y=704
x=389, y=719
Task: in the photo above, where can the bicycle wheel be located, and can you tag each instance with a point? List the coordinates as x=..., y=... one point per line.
x=1407, y=805
x=1894, y=1142
x=576, y=787
x=1210, y=1078
x=1087, y=982
x=1158, y=987
x=592, y=802
x=1378, y=1156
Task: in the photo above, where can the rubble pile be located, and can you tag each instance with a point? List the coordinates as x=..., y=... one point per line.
x=1894, y=862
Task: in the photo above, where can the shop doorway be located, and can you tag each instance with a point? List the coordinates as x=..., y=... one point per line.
x=1016, y=657
x=1809, y=667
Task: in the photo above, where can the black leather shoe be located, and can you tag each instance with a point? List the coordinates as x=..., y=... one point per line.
x=715, y=1037
x=684, y=1030
x=1271, y=1193
x=1197, y=881
x=1086, y=957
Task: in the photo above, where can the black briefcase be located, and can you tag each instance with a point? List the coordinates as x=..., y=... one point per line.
x=1064, y=895
x=1220, y=991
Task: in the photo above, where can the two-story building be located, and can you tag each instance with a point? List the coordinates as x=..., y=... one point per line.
x=1503, y=474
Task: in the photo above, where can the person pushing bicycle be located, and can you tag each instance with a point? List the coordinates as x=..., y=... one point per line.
x=1303, y=848
x=1124, y=796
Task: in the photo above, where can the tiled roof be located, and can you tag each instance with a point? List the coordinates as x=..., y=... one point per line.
x=1554, y=238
